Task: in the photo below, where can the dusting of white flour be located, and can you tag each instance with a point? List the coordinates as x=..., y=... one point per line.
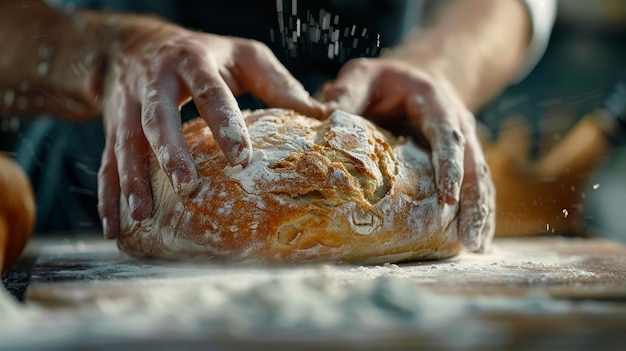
x=162, y=300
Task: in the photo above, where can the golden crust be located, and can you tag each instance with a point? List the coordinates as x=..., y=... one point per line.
x=339, y=190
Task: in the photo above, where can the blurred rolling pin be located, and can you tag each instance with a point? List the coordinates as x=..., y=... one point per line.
x=590, y=140
x=17, y=211
x=547, y=196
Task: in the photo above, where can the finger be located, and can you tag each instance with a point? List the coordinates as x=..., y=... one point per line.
x=109, y=191
x=160, y=119
x=265, y=77
x=131, y=153
x=476, y=213
x=488, y=232
x=442, y=130
x=351, y=90
x=218, y=108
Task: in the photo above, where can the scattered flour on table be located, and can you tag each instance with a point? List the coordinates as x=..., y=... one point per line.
x=316, y=305
x=313, y=300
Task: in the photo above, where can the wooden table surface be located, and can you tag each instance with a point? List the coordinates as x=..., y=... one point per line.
x=581, y=284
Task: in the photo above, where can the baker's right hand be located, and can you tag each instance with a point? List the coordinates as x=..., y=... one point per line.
x=152, y=69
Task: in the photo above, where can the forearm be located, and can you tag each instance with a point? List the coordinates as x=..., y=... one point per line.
x=51, y=62
x=477, y=45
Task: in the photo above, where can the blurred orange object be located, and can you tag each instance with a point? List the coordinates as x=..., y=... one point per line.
x=546, y=196
x=17, y=211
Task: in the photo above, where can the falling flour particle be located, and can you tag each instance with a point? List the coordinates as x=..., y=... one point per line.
x=303, y=32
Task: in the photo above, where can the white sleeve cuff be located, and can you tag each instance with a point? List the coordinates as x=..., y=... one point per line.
x=542, y=15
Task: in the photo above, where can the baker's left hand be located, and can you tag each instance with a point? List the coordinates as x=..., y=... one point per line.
x=385, y=89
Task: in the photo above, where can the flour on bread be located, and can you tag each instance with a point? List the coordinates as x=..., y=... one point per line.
x=338, y=190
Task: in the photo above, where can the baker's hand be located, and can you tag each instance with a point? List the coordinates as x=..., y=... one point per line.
x=386, y=89
x=154, y=68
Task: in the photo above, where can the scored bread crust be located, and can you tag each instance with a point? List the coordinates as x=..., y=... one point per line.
x=340, y=190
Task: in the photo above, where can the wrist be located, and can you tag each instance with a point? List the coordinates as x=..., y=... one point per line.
x=444, y=57
x=478, y=46
x=53, y=64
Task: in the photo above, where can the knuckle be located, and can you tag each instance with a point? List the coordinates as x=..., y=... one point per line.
x=253, y=49
x=183, y=53
x=478, y=213
x=123, y=141
x=151, y=75
x=337, y=90
x=453, y=168
x=427, y=88
x=450, y=139
x=204, y=94
x=186, y=55
x=125, y=180
x=358, y=64
x=258, y=47
x=482, y=171
x=485, y=200
x=150, y=107
x=454, y=136
x=482, y=175
x=150, y=116
x=178, y=48
x=145, y=68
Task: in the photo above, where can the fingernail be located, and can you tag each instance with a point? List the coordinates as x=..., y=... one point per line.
x=106, y=228
x=319, y=110
x=235, y=151
x=470, y=235
x=134, y=202
x=242, y=154
x=182, y=182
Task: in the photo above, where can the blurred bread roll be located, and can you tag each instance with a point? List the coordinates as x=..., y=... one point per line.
x=340, y=190
x=17, y=211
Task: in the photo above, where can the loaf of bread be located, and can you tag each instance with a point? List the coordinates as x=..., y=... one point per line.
x=340, y=190
x=17, y=211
